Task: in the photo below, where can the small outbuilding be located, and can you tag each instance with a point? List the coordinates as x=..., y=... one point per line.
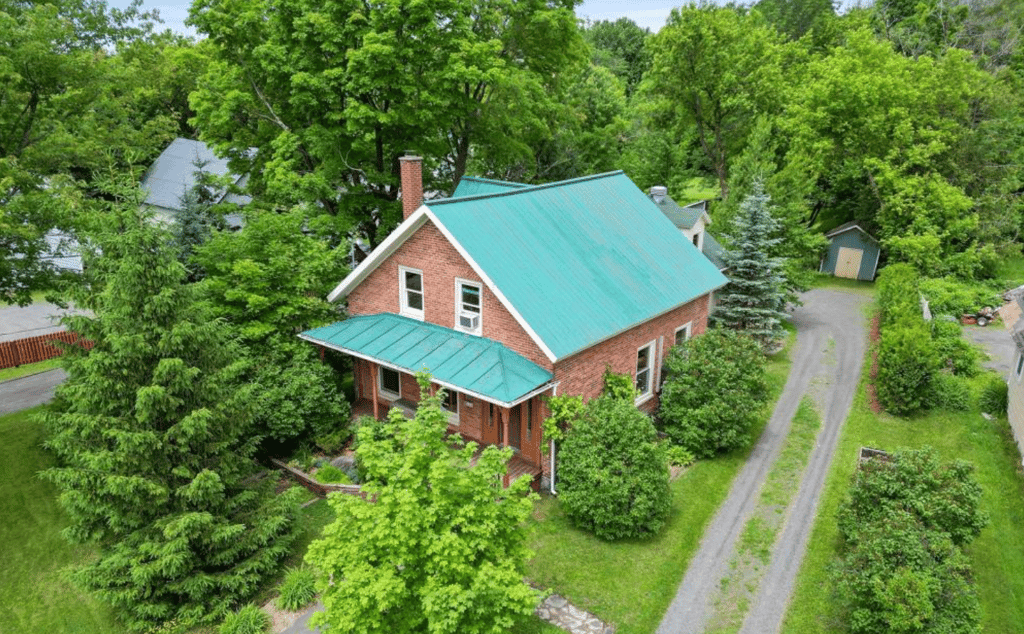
x=852, y=253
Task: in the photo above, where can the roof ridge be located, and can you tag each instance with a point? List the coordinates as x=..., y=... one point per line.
x=495, y=181
x=522, y=190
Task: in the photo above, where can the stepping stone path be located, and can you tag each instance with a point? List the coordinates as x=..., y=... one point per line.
x=559, y=612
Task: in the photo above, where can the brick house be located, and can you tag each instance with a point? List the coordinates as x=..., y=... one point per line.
x=508, y=293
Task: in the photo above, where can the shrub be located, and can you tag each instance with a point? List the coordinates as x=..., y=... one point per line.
x=334, y=441
x=713, y=391
x=297, y=590
x=248, y=620
x=954, y=352
x=951, y=393
x=330, y=474
x=994, y=395
x=898, y=295
x=613, y=472
x=906, y=364
x=947, y=296
x=679, y=457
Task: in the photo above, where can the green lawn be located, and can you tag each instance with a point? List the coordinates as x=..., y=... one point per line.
x=695, y=189
x=630, y=583
x=29, y=368
x=824, y=280
x=34, y=596
x=997, y=554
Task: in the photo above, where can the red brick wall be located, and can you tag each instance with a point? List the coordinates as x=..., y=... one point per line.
x=581, y=373
x=429, y=251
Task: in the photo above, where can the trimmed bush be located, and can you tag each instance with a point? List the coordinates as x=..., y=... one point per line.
x=297, y=590
x=907, y=362
x=713, y=392
x=898, y=293
x=955, y=353
x=613, y=472
x=951, y=393
x=248, y=620
x=994, y=397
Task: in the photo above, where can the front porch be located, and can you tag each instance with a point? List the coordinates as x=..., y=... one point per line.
x=493, y=396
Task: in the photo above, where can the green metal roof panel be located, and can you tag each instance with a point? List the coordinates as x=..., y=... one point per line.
x=475, y=186
x=473, y=364
x=580, y=260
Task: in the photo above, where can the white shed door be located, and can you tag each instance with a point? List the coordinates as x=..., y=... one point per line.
x=848, y=262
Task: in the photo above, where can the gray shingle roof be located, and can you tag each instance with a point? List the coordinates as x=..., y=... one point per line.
x=683, y=217
x=173, y=173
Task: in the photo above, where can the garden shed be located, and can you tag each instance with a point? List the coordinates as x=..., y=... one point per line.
x=852, y=253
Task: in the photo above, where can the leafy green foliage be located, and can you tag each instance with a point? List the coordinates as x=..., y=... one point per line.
x=621, y=47
x=948, y=296
x=679, y=456
x=898, y=294
x=903, y=527
x=907, y=363
x=955, y=353
x=247, y=620
x=330, y=474
x=713, y=390
x=755, y=297
x=951, y=393
x=994, y=396
x=564, y=409
x=613, y=473
x=438, y=545
x=154, y=440
x=197, y=220
x=297, y=590
x=618, y=386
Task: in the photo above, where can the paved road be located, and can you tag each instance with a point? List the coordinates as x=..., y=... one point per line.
x=29, y=391
x=997, y=343
x=19, y=322
x=826, y=315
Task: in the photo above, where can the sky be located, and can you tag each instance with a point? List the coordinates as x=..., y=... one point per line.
x=649, y=14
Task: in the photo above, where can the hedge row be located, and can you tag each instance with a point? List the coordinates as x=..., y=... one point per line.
x=918, y=360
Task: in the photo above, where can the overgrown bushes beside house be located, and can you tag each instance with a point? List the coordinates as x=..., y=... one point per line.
x=904, y=527
x=714, y=387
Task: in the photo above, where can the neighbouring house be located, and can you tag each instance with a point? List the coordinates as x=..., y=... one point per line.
x=1015, y=382
x=507, y=293
x=174, y=173
x=852, y=253
x=692, y=220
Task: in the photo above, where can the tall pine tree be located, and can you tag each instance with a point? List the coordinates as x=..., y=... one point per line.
x=154, y=443
x=755, y=297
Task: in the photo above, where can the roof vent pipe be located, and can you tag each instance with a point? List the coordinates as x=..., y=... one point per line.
x=658, y=193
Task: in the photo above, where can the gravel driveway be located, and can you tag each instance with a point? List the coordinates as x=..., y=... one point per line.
x=826, y=316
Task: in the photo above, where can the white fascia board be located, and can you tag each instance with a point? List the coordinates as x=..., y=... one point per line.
x=858, y=228
x=491, y=285
x=444, y=384
x=394, y=240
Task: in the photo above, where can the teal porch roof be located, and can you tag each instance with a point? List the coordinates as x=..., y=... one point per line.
x=471, y=364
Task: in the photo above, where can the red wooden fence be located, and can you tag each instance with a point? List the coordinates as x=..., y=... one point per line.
x=35, y=349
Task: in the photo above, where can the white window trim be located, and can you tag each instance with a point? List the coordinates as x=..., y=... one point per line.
x=459, y=282
x=688, y=327
x=651, y=364
x=403, y=297
x=388, y=394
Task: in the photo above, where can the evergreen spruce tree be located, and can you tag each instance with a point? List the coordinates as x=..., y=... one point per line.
x=755, y=297
x=154, y=445
x=197, y=219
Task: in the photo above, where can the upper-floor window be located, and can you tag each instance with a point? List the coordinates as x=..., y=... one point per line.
x=644, y=371
x=683, y=332
x=468, y=304
x=410, y=290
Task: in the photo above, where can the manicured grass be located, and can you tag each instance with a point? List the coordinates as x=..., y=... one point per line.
x=28, y=369
x=1011, y=270
x=695, y=189
x=34, y=594
x=997, y=554
x=630, y=583
x=824, y=280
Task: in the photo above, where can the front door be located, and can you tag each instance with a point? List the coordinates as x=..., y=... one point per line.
x=492, y=431
x=515, y=427
x=848, y=262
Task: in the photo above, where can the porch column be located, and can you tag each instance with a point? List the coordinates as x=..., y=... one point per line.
x=504, y=426
x=373, y=389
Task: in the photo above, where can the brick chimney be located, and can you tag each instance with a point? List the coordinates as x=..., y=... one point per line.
x=412, y=183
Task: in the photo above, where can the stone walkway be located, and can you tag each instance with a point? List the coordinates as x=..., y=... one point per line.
x=559, y=612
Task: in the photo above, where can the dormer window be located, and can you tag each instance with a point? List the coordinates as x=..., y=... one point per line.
x=696, y=239
x=468, y=304
x=410, y=285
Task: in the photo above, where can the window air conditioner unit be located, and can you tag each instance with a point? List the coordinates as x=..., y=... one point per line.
x=469, y=321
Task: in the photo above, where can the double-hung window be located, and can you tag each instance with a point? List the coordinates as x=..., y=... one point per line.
x=645, y=371
x=389, y=382
x=410, y=289
x=468, y=305
x=683, y=332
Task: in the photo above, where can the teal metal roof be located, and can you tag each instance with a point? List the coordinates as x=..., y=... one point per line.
x=579, y=260
x=472, y=364
x=475, y=186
